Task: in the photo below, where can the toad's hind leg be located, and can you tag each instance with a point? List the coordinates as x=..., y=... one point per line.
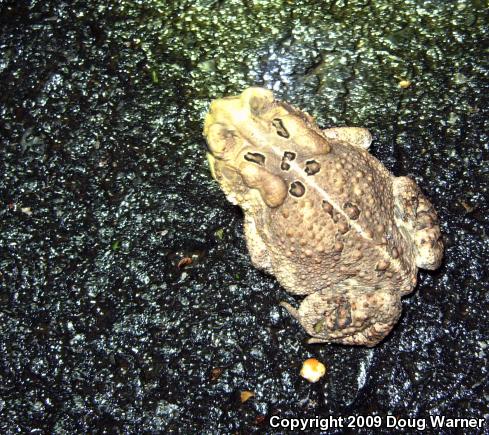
x=414, y=213
x=351, y=317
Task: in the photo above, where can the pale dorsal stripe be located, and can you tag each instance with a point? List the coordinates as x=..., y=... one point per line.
x=311, y=183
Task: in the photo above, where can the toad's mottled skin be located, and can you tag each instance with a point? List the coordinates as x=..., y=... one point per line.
x=322, y=215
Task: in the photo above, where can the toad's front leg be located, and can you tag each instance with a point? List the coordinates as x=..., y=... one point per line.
x=353, y=316
x=357, y=136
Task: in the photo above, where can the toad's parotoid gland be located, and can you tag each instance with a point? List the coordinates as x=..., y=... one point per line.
x=322, y=215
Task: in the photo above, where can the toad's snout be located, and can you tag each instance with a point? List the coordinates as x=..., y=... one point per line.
x=226, y=114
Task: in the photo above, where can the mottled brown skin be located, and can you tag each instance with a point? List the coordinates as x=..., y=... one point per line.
x=322, y=215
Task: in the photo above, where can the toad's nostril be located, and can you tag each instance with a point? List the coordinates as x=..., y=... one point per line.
x=258, y=100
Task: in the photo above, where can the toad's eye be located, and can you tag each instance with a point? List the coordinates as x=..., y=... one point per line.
x=257, y=158
x=279, y=126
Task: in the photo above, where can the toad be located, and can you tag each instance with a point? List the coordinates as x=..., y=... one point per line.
x=322, y=215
